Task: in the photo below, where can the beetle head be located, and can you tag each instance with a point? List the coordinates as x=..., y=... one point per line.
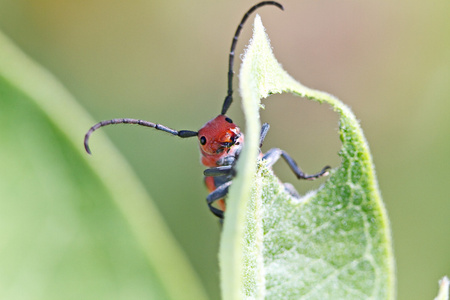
x=219, y=138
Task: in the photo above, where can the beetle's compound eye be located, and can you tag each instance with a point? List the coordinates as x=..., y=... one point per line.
x=203, y=140
x=228, y=120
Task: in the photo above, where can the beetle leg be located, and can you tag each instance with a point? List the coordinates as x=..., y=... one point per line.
x=264, y=130
x=219, y=171
x=272, y=156
x=226, y=161
x=217, y=212
x=215, y=195
x=291, y=190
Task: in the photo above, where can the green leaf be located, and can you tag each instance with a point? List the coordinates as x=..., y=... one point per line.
x=74, y=226
x=444, y=284
x=333, y=243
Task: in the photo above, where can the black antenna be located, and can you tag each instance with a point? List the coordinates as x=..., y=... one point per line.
x=181, y=133
x=229, y=98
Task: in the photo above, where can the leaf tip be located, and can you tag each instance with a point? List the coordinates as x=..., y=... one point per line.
x=444, y=284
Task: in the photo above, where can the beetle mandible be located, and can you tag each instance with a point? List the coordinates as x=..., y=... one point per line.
x=221, y=140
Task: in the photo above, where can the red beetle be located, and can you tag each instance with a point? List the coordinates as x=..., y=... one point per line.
x=221, y=140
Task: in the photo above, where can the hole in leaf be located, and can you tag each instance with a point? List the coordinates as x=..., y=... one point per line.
x=307, y=131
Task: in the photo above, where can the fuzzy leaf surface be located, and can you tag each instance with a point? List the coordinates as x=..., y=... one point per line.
x=333, y=243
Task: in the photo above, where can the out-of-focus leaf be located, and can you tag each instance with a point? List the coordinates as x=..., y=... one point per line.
x=74, y=226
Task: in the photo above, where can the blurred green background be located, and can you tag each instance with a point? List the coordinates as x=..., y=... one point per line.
x=165, y=61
